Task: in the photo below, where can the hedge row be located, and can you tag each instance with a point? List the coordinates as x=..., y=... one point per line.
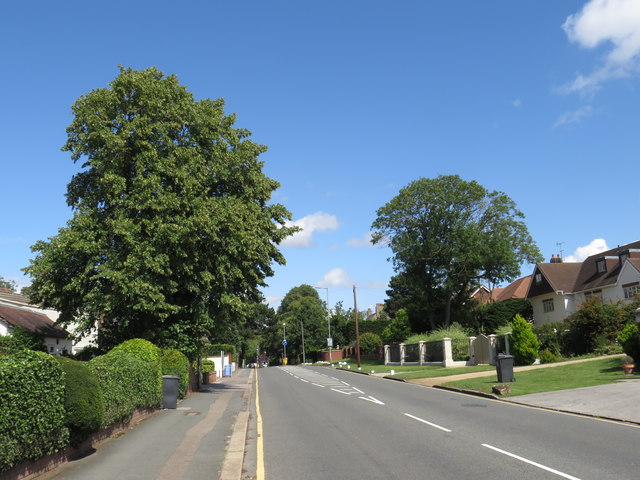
x=32, y=415
x=49, y=402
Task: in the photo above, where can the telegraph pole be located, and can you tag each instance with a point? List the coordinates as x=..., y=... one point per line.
x=355, y=308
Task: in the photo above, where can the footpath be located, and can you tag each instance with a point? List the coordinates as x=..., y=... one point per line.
x=615, y=401
x=203, y=438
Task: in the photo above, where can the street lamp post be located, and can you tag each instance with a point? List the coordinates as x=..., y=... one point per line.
x=329, y=339
x=284, y=342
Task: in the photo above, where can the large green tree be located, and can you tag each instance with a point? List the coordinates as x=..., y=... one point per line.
x=301, y=310
x=172, y=226
x=447, y=234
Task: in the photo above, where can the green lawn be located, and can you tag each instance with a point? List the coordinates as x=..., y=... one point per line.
x=587, y=374
x=413, y=371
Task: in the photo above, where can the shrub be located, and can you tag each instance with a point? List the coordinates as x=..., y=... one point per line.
x=175, y=362
x=524, y=342
x=32, y=418
x=629, y=338
x=398, y=328
x=455, y=332
x=550, y=337
x=214, y=350
x=146, y=351
x=547, y=356
x=491, y=316
x=369, y=343
x=594, y=319
x=208, y=365
x=83, y=403
x=127, y=383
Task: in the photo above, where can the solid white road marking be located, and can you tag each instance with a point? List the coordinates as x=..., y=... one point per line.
x=530, y=462
x=357, y=390
x=340, y=391
x=317, y=385
x=372, y=400
x=428, y=423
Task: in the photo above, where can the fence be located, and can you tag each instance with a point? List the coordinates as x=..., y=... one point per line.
x=448, y=352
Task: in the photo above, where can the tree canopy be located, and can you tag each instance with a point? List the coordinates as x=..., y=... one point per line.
x=446, y=235
x=172, y=225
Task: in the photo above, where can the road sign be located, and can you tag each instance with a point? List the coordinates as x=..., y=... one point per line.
x=330, y=342
x=284, y=342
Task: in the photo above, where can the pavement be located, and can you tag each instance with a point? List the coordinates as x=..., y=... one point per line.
x=204, y=437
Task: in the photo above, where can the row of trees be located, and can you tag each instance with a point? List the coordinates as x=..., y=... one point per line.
x=173, y=232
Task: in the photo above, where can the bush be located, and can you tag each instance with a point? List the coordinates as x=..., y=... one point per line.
x=214, y=350
x=369, y=343
x=32, y=418
x=83, y=403
x=146, y=351
x=491, y=316
x=455, y=332
x=127, y=383
x=629, y=338
x=175, y=362
x=398, y=328
x=524, y=342
x=591, y=321
x=547, y=356
x=550, y=337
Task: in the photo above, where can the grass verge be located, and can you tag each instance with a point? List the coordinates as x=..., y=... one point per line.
x=587, y=374
x=413, y=371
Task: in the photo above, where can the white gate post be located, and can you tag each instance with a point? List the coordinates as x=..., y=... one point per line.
x=402, y=353
x=472, y=351
x=386, y=354
x=421, y=352
x=448, y=354
x=492, y=349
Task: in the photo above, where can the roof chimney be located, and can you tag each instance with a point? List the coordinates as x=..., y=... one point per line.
x=555, y=259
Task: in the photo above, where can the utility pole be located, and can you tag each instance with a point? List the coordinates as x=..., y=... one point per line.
x=355, y=308
x=304, y=358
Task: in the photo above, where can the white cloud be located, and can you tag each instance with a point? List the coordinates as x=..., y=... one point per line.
x=273, y=300
x=316, y=222
x=336, y=277
x=614, y=22
x=364, y=241
x=516, y=103
x=574, y=116
x=596, y=246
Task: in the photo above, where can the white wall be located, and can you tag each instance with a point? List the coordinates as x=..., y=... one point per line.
x=563, y=306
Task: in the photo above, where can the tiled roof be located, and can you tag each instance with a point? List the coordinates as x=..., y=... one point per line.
x=517, y=289
x=32, y=321
x=561, y=276
x=590, y=278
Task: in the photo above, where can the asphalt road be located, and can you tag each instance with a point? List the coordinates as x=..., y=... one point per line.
x=321, y=423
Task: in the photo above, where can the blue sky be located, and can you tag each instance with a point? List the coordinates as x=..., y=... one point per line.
x=355, y=99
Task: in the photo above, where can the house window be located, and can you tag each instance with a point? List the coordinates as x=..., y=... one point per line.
x=623, y=257
x=51, y=349
x=538, y=278
x=601, y=266
x=547, y=305
x=630, y=291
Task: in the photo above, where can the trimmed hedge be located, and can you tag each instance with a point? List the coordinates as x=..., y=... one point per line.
x=214, y=350
x=174, y=362
x=83, y=402
x=127, y=383
x=32, y=416
x=147, y=352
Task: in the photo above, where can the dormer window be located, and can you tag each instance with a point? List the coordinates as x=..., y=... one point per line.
x=623, y=257
x=601, y=266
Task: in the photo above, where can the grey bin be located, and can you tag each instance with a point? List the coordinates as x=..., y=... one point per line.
x=504, y=367
x=170, y=387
